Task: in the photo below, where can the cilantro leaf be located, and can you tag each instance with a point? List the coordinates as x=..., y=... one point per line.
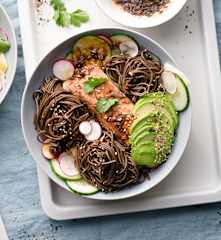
x=104, y=104
x=61, y=18
x=79, y=16
x=92, y=83
x=58, y=5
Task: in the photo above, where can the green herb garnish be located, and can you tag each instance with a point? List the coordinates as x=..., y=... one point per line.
x=58, y=5
x=63, y=18
x=104, y=104
x=92, y=83
x=79, y=16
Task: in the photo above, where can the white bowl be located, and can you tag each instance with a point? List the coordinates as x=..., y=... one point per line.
x=119, y=15
x=11, y=55
x=45, y=69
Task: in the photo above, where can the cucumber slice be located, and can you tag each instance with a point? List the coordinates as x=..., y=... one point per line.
x=55, y=166
x=181, y=97
x=89, y=46
x=82, y=187
x=126, y=44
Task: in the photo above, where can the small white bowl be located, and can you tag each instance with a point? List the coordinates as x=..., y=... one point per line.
x=45, y=69
x=11, y=55
x=115, y=12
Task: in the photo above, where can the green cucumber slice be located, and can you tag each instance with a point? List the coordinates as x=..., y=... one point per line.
x=82, y=187
x=181, y=97
x=87, y=45
x=55, y=166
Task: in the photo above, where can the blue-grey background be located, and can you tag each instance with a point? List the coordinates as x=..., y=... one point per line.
x=19, y=194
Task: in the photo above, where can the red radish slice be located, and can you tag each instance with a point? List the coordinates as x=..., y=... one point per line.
x=85, y=127
x=129, y=48
x=95, y=132
x=169, y=81
x=63, y=69
x=106, y=39
x=46, y=151
x=67, y=165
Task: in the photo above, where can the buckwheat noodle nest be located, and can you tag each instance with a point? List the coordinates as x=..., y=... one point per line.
x=106, y=164
x=58, y=115
x=136, y=76
x=143, y=7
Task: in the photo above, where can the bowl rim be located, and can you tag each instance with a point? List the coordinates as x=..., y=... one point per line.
x=13, y=65
x=52, y=175
x=142, y=26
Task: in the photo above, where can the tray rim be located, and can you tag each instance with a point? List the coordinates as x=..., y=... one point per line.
x=57, y=212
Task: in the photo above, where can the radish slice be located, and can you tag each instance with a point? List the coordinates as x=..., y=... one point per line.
x=171, y=68
x=46, y=151
x=85, y=127
x=126, y=44
x=63, y=69
x=129, y=48
x=95, y=132
x=169, y=81
x=67, y=165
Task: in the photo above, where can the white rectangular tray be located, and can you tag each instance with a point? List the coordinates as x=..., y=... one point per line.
x=191, y=39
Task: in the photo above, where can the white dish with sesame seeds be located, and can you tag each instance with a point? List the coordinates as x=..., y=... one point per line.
x=116, y=12
x=156, y=175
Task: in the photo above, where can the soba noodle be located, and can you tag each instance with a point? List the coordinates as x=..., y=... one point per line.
x=136, y=76
x=106, y=164
x=58, y=115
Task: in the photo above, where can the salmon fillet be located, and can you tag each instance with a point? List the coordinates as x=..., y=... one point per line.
x=118, y=119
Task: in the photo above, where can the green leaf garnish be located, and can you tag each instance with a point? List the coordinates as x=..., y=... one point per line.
x=58, y=5
x=104, y=104
x=92, y=83
x=63, y=18
x=79, y=16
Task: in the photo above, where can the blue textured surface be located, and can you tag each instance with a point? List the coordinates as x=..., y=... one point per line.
x=19, y=194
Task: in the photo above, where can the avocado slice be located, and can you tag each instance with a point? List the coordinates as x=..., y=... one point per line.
x=141, y=121
x=159, y=109
x=145, y=154
x=143, y=137
x=161, y=139
x=160, y=99
x=148, y=127
x=149, y=96
x=159, y=103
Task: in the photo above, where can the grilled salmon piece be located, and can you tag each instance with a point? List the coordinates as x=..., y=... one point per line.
x=118, y=119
